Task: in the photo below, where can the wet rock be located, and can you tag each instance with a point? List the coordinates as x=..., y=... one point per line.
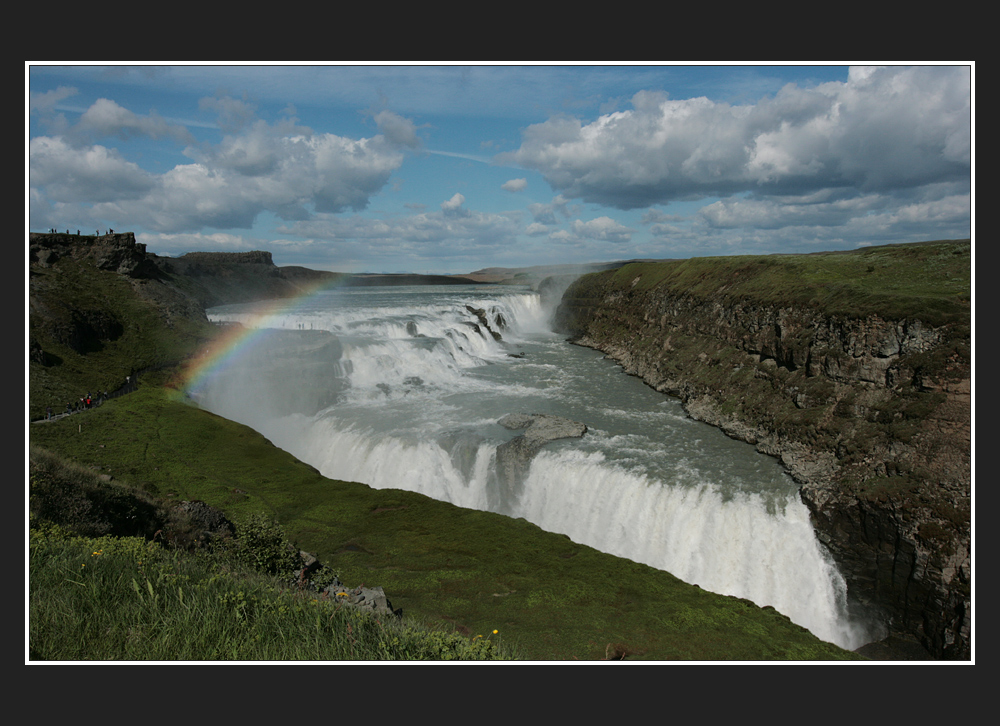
x=484, y=320
x=463, y=448
x=513, y=458
x=542, y=428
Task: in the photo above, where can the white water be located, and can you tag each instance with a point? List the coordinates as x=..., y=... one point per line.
x=419, y=393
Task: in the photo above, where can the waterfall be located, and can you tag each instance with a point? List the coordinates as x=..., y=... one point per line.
x=416, y=383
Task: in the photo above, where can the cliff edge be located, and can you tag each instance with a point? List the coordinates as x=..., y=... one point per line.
x=855, y=370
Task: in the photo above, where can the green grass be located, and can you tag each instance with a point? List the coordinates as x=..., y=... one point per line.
x=136, y=334
x=113, y=599
x=470, y=572
x=929, y=280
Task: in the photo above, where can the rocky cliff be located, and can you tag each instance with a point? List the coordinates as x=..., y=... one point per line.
x=113, y=252
x=855, y=370
x=202, y=278
x=219, y=278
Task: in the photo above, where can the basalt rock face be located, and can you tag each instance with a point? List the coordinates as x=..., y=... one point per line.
x=220, y=278
x=186, y=283
x=872, y=416
x=513, y=458
x=486, y=324
x=113, y=252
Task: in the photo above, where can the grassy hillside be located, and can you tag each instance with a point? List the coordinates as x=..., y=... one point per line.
x=474, y=571
x=88, y=329
x=103, y=586
x=930, y=280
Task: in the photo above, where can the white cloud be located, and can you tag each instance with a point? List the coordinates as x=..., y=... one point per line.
x=284, y=169
x=233, y=114
x=549, y=213
x=46, y=102
x=515, y=185
x=454, y=203
x=884, y=129
x=602, y=228
x=453, y=207
x=452, y=226
x=60, y=172
x=563, y=237
x=453, y=238
x=939, y=205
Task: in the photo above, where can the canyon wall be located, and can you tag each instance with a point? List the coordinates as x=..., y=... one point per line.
x=865, y=400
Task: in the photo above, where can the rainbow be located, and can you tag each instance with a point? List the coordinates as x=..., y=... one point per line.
x=234, y=340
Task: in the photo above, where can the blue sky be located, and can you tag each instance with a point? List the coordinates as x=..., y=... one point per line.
x=455, y=168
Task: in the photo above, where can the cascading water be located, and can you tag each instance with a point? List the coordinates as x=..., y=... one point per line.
x=416, y=382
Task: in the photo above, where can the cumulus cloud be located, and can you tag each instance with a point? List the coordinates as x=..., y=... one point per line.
x=232, y=114
x=884, y=129
x=562, y=236
x=45, y=103
x=292, y=177
x=604, y=229
x=461, y=234
x=103, y=119
x=453, y=207
x=775, y=213
x=515, y=185
x=256, y=152
x=551, y=212
x=282, y=168
x=92, y=174
x=943, y=205
x=428, y=227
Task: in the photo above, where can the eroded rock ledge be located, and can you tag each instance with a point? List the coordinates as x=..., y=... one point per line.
x=871, y=415
x=513, y=458
x=540, y=428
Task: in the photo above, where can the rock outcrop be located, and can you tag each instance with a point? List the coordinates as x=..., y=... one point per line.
x=490, y=327
x=368, y=599
x=513, y=458
x=220, y=278
x=114, y=252
x=870, y=413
